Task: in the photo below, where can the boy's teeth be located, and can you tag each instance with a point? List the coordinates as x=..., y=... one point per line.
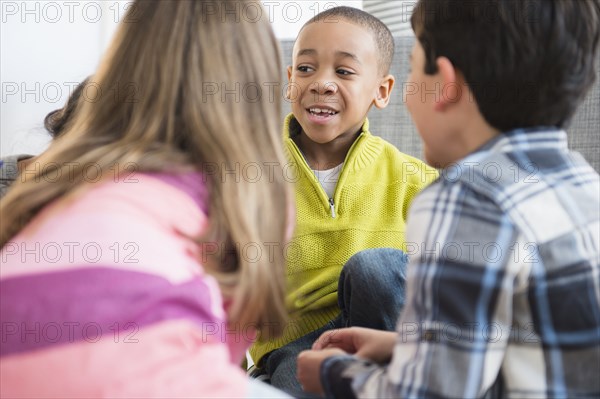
x=320, y=111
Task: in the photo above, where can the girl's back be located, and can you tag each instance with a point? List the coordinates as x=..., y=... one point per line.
x=116, y=283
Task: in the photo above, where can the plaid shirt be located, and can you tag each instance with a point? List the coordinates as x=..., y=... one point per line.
x=503, y=283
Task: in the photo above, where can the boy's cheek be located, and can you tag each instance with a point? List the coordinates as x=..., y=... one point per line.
x=293, y=92
x=409, y=106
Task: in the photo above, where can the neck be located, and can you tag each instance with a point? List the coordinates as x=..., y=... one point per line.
x=472, y=135
x=476, y=134
x=324, y=156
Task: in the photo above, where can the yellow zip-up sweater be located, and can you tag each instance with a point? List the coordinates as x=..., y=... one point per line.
x=368, y=210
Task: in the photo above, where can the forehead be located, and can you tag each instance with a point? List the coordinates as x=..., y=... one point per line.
x=335, y=37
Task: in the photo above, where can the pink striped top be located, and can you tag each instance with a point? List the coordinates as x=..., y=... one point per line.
x=103, y=295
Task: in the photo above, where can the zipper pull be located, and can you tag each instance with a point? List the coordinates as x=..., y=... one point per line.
x=332, y=206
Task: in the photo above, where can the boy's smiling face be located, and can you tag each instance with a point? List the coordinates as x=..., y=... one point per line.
x=334, y=80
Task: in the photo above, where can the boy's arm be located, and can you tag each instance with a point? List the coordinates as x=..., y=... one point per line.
x=455, y=326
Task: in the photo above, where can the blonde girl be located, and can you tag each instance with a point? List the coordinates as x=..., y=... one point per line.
x=138, y=259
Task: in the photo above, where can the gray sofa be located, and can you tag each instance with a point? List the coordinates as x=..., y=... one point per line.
x=394, y=123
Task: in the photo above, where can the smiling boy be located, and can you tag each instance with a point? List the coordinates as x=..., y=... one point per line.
x=353, y=189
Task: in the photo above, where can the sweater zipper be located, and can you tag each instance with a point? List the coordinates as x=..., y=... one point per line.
x=342, y=174
x=332, y=206
x=308, y=169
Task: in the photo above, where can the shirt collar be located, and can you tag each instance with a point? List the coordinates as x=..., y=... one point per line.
x=522, y=140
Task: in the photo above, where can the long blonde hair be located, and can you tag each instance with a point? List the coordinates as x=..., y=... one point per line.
x=155, y=107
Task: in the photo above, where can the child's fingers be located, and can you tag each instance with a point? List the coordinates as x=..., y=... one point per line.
x=342, y=339
x=324, y=341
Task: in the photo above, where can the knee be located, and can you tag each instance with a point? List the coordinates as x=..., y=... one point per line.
x=375, y=264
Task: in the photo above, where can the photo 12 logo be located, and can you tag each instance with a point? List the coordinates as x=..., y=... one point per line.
x=70, y=252
x=55, y=11
x=35, y=333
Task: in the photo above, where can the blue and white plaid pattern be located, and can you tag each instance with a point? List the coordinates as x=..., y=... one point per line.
x=503, y=282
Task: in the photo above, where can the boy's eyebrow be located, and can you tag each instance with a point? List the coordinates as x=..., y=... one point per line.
x=306, y=51
x=345, y=54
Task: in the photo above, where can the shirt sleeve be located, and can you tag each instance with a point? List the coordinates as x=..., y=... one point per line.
x=454, y=329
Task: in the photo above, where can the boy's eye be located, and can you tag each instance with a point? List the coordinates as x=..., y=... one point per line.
x=344, y=72
x=304, y=68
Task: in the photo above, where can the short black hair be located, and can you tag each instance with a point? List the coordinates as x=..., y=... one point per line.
x=56, y=121
x=527, y=62
x=380, y=32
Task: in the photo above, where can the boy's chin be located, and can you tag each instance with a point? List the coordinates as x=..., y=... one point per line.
x=318, y=134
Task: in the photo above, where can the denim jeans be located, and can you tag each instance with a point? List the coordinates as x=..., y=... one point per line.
x=371, y=293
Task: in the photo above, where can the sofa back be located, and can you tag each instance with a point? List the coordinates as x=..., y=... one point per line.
x=395, y=125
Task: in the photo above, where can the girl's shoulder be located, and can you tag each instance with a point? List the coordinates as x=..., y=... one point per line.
x=191, y=184
x=174, y=197
x=153, y=216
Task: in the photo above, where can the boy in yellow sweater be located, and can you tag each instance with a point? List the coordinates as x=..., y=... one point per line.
x=352, y=192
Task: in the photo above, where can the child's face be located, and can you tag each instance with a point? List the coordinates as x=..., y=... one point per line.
x=334, y=79
x=442, y=107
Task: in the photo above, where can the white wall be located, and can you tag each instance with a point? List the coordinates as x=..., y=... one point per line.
x=47, y=47
x=288, y=17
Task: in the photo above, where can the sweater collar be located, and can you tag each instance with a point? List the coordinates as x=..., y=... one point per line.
x=365, y=149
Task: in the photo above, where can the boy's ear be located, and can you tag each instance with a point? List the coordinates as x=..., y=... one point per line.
x=451, y=90
x=384, y=91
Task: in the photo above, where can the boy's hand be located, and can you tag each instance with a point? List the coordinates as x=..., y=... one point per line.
x=309, y=368
x=366, y=343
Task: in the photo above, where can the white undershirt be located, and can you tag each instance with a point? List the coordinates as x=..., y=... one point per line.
x=329, y=178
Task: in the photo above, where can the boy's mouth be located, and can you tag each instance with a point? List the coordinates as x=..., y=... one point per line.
x=320, y=115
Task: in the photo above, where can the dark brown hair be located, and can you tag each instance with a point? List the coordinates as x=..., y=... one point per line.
x=56, y=121
x=528, y=63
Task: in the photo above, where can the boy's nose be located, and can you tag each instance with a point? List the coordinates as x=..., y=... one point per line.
x=324, y=88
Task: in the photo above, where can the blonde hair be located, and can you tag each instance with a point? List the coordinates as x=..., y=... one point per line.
x=154, y=113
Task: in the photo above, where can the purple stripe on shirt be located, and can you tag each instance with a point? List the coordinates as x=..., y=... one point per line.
x=40, y=310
